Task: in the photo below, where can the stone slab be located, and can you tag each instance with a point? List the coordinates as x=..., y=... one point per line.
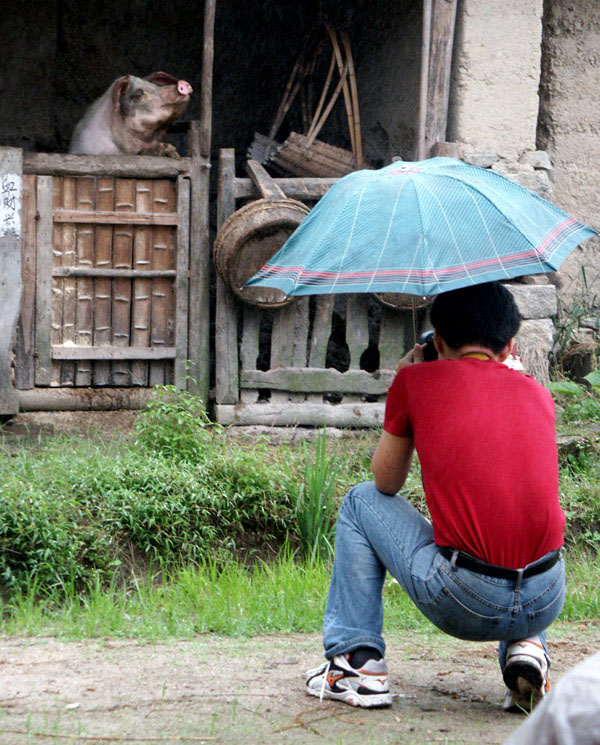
x=534, y=301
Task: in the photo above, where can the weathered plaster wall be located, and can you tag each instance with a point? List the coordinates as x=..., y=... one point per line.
x=569, y=125
x=494, y=101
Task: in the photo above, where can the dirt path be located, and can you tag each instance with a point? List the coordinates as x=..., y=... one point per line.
x=233, y=691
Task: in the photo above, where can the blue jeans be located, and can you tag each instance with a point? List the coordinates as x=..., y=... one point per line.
x=376, y=532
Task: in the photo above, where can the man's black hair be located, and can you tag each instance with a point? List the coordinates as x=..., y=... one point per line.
x=486, y=315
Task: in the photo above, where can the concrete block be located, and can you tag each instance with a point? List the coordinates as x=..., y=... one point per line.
x=538, y=159
x=481, y=160
x=534, y=301
x=534, y=343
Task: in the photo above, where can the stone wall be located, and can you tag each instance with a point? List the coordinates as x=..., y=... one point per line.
x=569, y=128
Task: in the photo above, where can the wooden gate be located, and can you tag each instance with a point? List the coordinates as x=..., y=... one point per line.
x=105, y=307
x=274, y=367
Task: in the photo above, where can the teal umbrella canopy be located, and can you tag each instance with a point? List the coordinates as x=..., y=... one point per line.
x=421, y=228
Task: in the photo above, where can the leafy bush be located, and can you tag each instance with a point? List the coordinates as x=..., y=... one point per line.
x=581, y=403
x=77, y=512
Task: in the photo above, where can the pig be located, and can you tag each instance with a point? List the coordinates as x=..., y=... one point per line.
x=131, y=117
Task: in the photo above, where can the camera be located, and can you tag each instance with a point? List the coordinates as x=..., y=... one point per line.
x=430, y=352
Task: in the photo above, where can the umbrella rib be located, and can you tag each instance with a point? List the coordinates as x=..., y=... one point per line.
x=341, y=264
x=451, y=232
x=487, y=230
x=381, y=252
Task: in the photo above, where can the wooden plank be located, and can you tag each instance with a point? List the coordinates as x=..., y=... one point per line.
x=297, y=188
x=392, y=337
x=84, y=242
x=440, y=63
x=24, y=366
x=182, y=283
x=122, y=259
x=266, y=185
x=142, y=256
x=69, y=293
x=139, y=217
x=321, y=330
x=76, y=271
x=357, y=327
x=199, y=324
x=43, y=291
x=84, y=399
x=301, y=328
x=282, y=343
x=11, y=196
x=249, y=346
x=303, y=414
x=307, y=380
x=56, y=327
x=163, y=257
x=123, y=166
x=113, y=353
x=226, y=344
x=103, y=245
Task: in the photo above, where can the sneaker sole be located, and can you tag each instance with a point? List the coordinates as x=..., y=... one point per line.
x=372, y=701
x=526, y=681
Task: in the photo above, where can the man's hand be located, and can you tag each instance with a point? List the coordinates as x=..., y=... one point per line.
x=412, y=358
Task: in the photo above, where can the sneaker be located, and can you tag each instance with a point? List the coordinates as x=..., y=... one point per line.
x=337, y=679
x=525, y=675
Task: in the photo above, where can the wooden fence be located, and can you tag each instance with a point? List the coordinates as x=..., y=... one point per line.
x=278, y=367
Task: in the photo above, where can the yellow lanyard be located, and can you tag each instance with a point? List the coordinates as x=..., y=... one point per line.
x=476, y=355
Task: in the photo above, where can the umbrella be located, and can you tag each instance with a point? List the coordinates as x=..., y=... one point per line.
x=421, y=228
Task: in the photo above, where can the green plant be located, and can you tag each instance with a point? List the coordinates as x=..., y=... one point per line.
x=174, y=423
x=315, y=503
x=582, y=403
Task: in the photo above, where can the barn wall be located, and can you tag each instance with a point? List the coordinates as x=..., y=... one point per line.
x=569, y=126
x=60, y=55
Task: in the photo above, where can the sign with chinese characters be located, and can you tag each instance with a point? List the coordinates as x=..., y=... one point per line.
x=11, y=190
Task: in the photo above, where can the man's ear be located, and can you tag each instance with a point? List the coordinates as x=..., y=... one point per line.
x=438, y=343
x=507, y=351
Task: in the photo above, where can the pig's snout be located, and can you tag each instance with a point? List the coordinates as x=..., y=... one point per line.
x=184, y=88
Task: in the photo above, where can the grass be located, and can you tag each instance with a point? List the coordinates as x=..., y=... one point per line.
x=280, y=597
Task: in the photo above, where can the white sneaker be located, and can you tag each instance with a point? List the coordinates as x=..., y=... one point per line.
x=337, y=679
x=525, y=675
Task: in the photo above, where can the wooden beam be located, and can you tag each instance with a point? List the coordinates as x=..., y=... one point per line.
x=116, y=218
x=84, y=399
x=78, y=271
x=302, y=414
x=296, y=188
x=124, y=166
x=226, y=325
x=24, y=369
x=11, y=284
x=72, y=352
x=182, y=288
x=440, y=63
x=43, y=292
x=313, y=379
x=424, y=83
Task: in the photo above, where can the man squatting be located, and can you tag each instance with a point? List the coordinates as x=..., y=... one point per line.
x=488, y=567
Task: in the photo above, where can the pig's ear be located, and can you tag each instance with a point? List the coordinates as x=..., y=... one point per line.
x=162, y=78
x=119, y=88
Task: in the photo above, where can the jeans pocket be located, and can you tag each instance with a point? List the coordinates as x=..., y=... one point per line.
x=541, y=617
x=464, y=616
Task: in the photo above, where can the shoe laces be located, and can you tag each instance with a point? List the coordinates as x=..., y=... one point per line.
x=325, y=673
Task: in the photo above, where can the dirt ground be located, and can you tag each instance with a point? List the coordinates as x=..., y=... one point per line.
x=222, y=690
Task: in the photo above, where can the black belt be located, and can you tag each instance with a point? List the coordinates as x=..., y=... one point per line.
x=491, y=570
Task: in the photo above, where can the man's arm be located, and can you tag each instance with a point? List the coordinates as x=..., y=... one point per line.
x=391, y=462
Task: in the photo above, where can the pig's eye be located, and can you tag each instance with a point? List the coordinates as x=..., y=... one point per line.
x=136, y=95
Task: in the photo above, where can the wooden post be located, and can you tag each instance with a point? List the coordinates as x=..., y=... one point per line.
x=440, y=63
x=424, y=86
x=11, y=194
x=226, y=344
x=25, y=341
x=199, y=146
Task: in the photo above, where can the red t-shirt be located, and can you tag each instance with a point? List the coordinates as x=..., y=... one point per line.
x=485, y=436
